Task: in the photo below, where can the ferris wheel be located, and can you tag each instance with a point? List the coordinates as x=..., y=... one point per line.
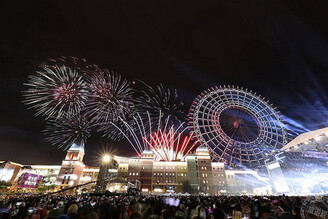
x=239, y=127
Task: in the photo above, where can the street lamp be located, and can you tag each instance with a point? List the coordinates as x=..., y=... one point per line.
x=103, y=175
x=106, y=158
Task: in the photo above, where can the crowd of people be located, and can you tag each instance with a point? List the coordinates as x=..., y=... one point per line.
x=149, y=207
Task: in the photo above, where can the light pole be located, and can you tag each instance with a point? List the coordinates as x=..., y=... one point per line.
x=103, y=172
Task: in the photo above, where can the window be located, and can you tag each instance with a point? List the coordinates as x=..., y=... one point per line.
x=64, y=180
x=68, y=179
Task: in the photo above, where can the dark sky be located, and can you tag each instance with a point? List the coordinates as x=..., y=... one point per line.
x=277, y=49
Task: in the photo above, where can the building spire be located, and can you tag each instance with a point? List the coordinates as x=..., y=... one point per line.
x=78, y=145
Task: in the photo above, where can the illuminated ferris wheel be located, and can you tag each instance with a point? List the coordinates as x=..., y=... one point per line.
x=239, y=127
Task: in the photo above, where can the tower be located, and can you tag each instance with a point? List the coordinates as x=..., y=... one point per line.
x=72, y=167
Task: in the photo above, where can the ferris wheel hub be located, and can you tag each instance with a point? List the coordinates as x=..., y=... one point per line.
x=238, y=123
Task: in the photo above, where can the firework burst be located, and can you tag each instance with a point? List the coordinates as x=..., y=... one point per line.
x=161, y=102
x=63, y=132
x=56, y=92
x=170, y=146
x=79, y=64
x=109, y=101
x=166, y=141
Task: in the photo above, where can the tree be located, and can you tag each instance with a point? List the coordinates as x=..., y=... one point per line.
x=186, y=187
x=84, y=190
x=45, y=186
x=4, y=186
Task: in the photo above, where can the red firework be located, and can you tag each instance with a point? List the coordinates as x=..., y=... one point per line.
x=170, y=146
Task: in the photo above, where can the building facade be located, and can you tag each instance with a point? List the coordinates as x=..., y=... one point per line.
x=153, y=176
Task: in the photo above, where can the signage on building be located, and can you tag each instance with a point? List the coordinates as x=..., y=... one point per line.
x=315, y=207
x=31, y=181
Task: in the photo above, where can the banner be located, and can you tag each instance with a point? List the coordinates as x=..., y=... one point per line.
x=30, y=180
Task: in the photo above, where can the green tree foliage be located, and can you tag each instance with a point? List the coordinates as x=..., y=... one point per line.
x=84, y=190
x=4, y=185
x=45, y=186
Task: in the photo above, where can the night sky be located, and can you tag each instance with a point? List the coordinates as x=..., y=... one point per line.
x=278, y=50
